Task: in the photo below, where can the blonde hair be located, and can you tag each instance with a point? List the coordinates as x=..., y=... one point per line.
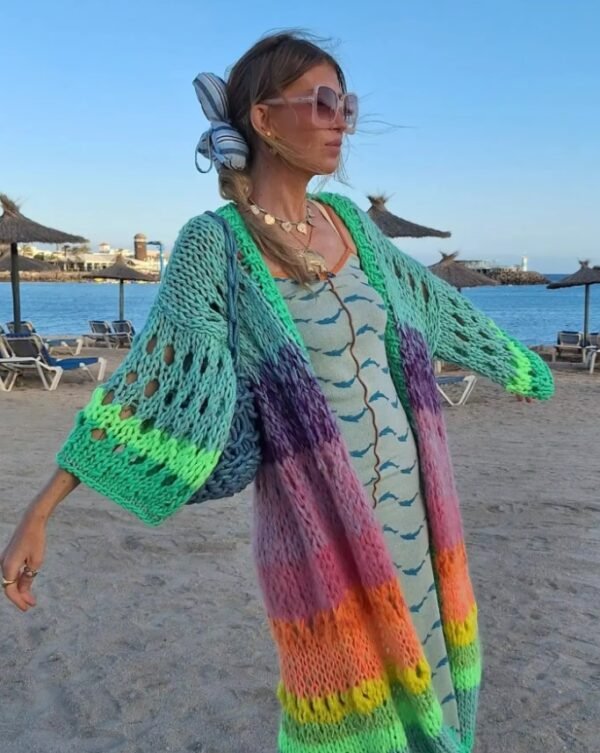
x=263, y=72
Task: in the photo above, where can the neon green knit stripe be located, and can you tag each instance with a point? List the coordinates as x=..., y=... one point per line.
x=465, y=666
x=380, y=730
x=185, y=460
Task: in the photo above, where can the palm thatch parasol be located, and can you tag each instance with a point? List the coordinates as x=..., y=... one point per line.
x=15, y=228
x=24, y=264
x=585, y=276
x=458, y=275
x=122, y=272
x=395, y=227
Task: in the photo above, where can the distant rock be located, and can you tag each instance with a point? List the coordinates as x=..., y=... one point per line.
x=517, y=277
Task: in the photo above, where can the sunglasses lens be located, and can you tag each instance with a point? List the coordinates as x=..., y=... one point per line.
x=326, y=104
x=351, y=110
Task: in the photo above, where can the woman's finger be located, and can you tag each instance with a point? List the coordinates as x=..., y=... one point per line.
x=24, y=586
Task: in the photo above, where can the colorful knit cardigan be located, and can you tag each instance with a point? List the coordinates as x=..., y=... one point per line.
x=353, y=674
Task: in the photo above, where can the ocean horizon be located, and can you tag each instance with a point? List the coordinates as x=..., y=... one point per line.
x=531, y=313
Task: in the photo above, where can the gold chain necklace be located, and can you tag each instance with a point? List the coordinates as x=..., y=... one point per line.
x=315, y=263
x=270, y=219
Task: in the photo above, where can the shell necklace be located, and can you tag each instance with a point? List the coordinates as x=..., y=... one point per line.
x=270, y=219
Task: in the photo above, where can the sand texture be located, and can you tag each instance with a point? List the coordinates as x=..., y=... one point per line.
x=154, y=640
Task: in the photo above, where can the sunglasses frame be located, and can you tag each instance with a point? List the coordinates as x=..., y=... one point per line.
x=314, y=100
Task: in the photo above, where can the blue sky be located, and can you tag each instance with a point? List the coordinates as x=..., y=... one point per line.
x=99, y=117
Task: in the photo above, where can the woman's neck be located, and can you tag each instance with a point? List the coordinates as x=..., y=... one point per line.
x=280, y=190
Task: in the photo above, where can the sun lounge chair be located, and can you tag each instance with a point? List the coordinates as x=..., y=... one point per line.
x=124, y=329
x=72, y=343
x=570, y=343
x=8, y=374
x=592, y=350
x=30, y=352
x=102, y=333
x=26, y=327
x=467, y=381
x=11, y=365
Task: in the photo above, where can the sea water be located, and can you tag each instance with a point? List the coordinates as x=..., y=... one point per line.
x=531, y=313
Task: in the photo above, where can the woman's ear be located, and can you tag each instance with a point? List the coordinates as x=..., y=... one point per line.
x=260, y=120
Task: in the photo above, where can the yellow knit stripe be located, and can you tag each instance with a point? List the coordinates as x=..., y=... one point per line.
x=464, y=632
x=364, y=698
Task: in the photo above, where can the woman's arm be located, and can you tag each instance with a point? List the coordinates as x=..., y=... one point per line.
x=27, y=545
x=461, y=334
x=151, y=436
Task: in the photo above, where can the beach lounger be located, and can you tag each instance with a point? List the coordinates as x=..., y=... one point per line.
x=124, y=329
x=570, y=343
x=592, y=350
x=102, y=334
x=25, y=327
x=11, y=366
x=29, y=351
x=467, y=381
x=72, y=343
x=8, y=374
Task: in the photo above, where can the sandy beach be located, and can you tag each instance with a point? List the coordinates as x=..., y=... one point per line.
x=154, y=640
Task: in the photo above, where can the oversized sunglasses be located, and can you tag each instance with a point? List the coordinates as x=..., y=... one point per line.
x=326, y=104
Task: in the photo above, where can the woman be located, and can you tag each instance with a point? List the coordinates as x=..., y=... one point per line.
x=302, y=359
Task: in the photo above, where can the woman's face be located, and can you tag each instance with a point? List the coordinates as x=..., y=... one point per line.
x=314, y=141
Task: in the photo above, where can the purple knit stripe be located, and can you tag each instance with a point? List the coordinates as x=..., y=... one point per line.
x=312, y=482
x=443, y=511
x=312, y=548
x=294, y=412
x=437, y=477
x=418, y=369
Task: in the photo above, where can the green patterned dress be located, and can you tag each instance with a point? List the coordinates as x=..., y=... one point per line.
x=342, y=321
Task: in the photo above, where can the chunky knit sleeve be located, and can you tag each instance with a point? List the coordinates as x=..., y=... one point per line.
x=152, y=434
x=461, y=334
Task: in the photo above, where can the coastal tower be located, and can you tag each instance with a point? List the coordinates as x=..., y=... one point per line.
x=524, y=262
x=140, y=244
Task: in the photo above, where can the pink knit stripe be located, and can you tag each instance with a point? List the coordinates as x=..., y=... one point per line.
x=441, y=499
x=288, y=532
x=296, y=591
x=315, y=547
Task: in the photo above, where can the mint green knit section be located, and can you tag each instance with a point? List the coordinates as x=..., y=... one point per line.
x=259, y=271
x=154, y=432
x=454, y=329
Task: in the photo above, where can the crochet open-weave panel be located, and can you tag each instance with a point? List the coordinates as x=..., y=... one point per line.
x=454, y=329
x=151, y=436
x=465, y=336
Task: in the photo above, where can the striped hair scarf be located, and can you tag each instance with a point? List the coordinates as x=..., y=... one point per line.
x=221, y=144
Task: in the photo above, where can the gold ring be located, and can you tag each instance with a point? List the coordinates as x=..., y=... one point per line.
x=6, y=583
x=30, y=572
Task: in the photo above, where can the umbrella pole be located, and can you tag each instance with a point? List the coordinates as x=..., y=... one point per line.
x=586, y=315
x=14, y=282
x=121, y=300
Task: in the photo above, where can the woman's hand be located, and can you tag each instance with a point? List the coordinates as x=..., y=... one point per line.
x=21, y=560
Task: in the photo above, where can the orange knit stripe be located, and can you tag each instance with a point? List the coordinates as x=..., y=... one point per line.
x=455, y=589
x=341, y=648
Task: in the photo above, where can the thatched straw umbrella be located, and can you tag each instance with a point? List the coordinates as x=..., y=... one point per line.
x=122, y=272
x=458, y=275
x=24, y=264
x=15, y=229
x=395, y=227
x=585, y=276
